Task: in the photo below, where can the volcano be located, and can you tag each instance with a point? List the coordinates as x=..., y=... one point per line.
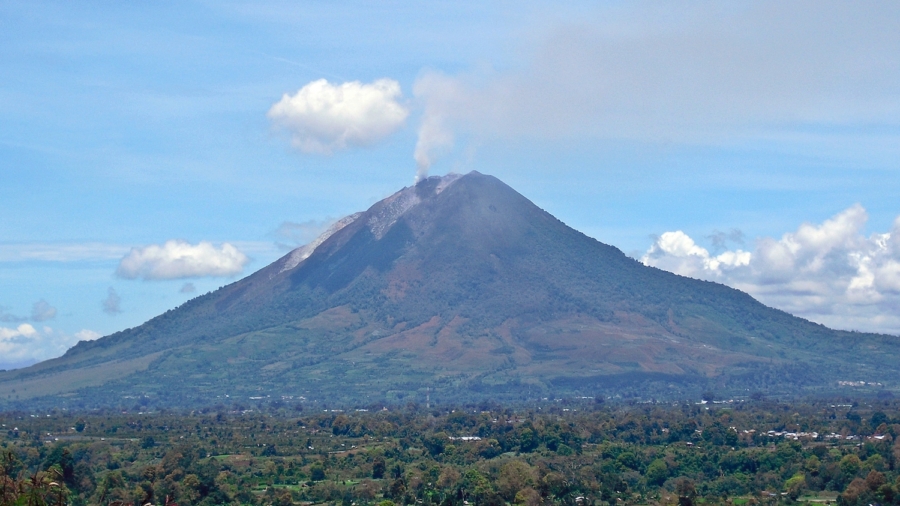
x=458, y=289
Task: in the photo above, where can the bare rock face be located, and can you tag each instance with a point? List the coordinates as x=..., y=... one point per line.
x=303, y=252
x=462, y=288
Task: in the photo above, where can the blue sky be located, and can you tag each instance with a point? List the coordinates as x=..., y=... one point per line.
x=752, y=143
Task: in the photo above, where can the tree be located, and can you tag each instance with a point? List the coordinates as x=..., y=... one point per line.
x=379, y=466
x=61, y=457
x=686, y=492
x=527, y=440
x=528, y=497
x=657, y=472
x=515, y=476
x=317, y=472
x=190, y=488
x=795, y=485
x=340, y=425
x=397, y=489
x=283, y=498
x=855, y=493
x=477, y=485
x=850, y=465
x=435, y=443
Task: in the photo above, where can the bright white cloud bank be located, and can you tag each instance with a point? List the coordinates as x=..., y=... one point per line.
x=24, y=344
x=830, y=273
x=179, y=259
x=323, y=117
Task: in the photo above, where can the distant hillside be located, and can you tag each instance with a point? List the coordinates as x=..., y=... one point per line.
x=463, y=289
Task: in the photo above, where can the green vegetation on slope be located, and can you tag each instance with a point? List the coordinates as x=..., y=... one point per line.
x=474, y=291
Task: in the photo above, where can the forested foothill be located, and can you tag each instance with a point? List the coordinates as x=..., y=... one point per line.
x=579, y=452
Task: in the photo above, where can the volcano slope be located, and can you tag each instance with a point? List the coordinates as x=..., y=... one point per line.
x=462, y=288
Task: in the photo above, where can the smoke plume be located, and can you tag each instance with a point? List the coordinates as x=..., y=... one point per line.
x=441, y=96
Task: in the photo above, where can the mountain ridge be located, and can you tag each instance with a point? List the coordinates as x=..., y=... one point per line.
x=461, y=286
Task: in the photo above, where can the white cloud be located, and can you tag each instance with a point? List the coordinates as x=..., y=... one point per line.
x=697, y=73
x=323, y=117
x=25, y=345
x=87, y=335
x=23, y=331
x=677, y=252
x=179, y=259
x=830, y=272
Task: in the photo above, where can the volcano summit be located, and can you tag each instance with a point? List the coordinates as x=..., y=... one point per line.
x=461, y=287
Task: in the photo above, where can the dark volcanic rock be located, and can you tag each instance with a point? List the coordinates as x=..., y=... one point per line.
x=461, y=287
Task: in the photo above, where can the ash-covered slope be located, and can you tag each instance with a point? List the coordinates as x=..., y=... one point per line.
x=461, y=286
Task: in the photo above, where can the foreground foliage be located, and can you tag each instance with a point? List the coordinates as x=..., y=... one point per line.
x=559, y=453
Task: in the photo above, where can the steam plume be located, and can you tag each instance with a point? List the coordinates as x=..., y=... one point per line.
x=433, y=135
x=439, y=93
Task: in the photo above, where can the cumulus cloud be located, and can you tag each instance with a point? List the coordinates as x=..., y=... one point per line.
x=22, y=332
x=179, y=259
x=323, y=117
x=42, y=311
x=830, y=272
x=87, y=335
x=24, y=345
x=678, y=253
x=684, y=73
x=112, y=304
x=188, y=288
